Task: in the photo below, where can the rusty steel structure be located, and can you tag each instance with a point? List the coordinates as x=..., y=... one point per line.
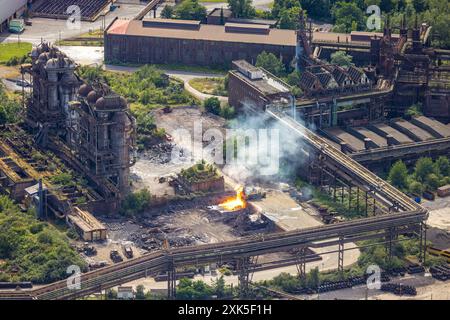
x=87, y=125
x=54, y=86
x=101, y=132
x=391, y=214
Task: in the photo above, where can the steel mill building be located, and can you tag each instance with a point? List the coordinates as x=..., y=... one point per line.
x=166, y=41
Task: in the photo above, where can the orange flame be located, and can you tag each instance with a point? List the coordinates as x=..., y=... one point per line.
x=235, y=203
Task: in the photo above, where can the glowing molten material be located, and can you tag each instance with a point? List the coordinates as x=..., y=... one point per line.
x=235, y=203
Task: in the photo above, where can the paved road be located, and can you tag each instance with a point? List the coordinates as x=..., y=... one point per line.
x=52, y=30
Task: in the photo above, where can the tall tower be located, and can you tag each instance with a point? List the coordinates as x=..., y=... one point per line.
x=303, y=48
x=54, y=86
x=102, y=134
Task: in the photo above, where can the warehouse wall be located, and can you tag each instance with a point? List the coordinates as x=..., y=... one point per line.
x=136, y=49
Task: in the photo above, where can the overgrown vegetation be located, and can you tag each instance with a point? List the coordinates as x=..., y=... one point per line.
x=242, y=8
x=414, y=110
x=31, y=250
x=187, y=10
x=199, y=172
x=342, y=59
x=135, y=203
x=271, y=63
x=426, y=175
x=188, y=289
x=214, y=106
x=213, y=86
x=10, y=106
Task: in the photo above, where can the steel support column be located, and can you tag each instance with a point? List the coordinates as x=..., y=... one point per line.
x=341, y=255
x=367, y=203
x=357, y=199
x=243, y=276
x=301, y=263
x=334, y=188
x=422, y=242
x=349, y=197
x=171, y=282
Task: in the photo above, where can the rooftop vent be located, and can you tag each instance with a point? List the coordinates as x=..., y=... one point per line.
x=171, y=24
x=247, y=28
x=247, y=69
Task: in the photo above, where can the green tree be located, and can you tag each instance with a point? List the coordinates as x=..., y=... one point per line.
x=424, y=166
x=212, y=105
x=414, y=110
x=341, y=59
x=416, y=187
x=271, y=63
x=227, y=112
x=241, y=8
x=432, y=181
x=193, y=290
x=442, y=166
x=111, y=294
x=140, y=292
x=419, y=5
x=319, y=9
x=313, y=278
x=167, y=12
x=345, y=13
x=289, y=18
x=398, y=175
x=135, y=203
x=294, y=78
x=190, y=10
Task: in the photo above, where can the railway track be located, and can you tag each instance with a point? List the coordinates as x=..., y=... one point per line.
x=108, y=277
x=347, y=163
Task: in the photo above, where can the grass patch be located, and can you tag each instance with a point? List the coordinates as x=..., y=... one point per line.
x=213, y=86
x=10, y=50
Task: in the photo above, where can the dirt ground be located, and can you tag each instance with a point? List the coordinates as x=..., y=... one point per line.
x=439, y=213
x=151, y=165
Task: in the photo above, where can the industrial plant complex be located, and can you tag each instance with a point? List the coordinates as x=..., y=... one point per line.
x=126, y=148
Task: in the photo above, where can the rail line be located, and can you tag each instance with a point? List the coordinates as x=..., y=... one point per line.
x=346, y=163
x=101, y=279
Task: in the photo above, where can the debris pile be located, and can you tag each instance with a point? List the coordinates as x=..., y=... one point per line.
x=159, y=153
